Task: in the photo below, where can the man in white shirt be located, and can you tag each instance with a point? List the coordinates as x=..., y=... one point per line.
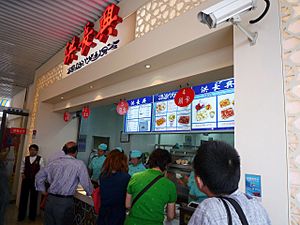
x=29, y=167
x=217, y=174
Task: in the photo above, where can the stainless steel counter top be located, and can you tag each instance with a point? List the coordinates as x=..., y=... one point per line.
x=81, y=195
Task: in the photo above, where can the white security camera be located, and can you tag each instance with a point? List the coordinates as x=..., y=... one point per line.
x=224, y=11
x=230, y=10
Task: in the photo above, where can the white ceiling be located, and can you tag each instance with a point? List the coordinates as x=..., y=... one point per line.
x=31, y=32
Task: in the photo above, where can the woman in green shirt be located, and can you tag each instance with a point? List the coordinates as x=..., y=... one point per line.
x=149, y=208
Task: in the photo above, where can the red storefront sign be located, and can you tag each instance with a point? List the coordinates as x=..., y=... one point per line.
x=71, y=49
x=184, y=97
x=108, y=23
x=88, y=38
x=122, y=107
x=67, y=116
x=15, y=130
x=86, y=112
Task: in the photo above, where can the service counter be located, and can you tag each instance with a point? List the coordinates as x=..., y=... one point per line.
x=85, y=213
x=84, y=209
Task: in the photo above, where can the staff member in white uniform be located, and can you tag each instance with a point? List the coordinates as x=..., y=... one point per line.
x=136, y=165
x=97, y=163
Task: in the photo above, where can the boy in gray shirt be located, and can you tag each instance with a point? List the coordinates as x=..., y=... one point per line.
x=217, y=174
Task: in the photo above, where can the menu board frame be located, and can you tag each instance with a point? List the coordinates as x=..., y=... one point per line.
x=138, y=103
x=211, y=90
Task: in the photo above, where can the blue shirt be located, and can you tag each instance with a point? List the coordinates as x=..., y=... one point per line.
x=64, y=174
x=135, y=169
x=96, y=166
x=194, y=190
x=113, y=193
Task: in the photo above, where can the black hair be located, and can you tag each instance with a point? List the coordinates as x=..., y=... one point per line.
x=159, y=158
x=73, y=149
x=36, y=147
x=218, y=165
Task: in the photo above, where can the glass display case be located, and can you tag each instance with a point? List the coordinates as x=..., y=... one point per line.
x=180, y=168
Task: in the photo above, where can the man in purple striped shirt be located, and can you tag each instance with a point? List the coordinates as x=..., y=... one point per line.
x=63, y=174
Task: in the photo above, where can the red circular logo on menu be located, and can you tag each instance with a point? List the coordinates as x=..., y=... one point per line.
x=86, y=112
x=184, y=97
x=67, y=116
x=122, y=107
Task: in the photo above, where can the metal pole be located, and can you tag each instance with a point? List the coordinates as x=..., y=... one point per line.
x=3, y=126
x=252, y=37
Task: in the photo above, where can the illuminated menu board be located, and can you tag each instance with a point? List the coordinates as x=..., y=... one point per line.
x=167, y=116
x=213, y=106
x=212, y=109
x=138, y=117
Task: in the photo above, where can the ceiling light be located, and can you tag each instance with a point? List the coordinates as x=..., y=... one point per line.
x=148, y=66
x=91, y=86
x=61, y=97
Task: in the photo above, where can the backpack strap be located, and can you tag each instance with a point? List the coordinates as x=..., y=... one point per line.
x=145, y=189
x=229, y=217
x=237, y=208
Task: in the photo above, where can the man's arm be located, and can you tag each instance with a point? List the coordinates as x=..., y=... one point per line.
x=42, y=163
x=84, y=179
x=128, y=201
x=40, y=179
x=171, y=211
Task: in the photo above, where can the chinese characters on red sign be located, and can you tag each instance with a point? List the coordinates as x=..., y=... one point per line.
x=67, y=116
x=71, y=50
x=15, y=130
x=184, y=97
x=122, y=107
x=108, y=23
x=87, y=41
x=86, y=112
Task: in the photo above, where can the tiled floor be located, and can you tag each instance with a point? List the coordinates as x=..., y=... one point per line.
x=12, y=214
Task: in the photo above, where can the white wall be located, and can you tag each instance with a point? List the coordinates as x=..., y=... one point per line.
x=103, y=122
x=260, y=135
x=211, y=61
x=52, y=131
x=144, y=143
x=18, y=100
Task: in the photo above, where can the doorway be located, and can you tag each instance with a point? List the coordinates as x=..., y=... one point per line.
x=99, y=140
x=12, y=137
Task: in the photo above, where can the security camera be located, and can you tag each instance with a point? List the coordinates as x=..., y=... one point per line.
x=230, y=10
x=224, y=11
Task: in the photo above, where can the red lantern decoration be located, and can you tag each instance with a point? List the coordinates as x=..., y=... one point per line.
x=67, y=116
x=184, y=97
x=86, y=112
x=122, y=107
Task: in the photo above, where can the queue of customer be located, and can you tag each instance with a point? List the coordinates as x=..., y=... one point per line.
x=65, y=172
x=149, y=195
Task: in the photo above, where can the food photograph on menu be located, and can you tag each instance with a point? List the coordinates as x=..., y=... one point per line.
x=226, y=110
x=204, y=113
x=213, y=106
x=168, y=116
